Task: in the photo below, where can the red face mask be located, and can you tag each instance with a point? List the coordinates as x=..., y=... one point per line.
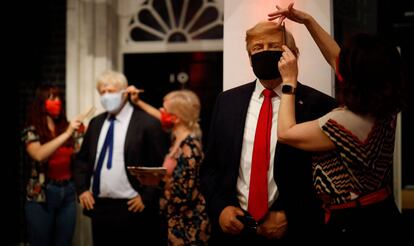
x=167, y=120
x=53, y=107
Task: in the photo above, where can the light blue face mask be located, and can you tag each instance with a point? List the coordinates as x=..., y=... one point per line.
x=111, y=102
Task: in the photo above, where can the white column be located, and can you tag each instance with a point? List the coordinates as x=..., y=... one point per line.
x=91, y=49
x=72, y=57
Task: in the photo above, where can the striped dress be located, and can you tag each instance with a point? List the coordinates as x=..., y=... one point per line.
x=362, y=161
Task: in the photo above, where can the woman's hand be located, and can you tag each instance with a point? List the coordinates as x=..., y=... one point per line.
x=74, y=125
x=134, y=94
x=326, y=44
x=290, y=13
x=288, y=67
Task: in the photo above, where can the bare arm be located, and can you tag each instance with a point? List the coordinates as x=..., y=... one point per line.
x=41, y=152
x=327, y=45
x=149, y=109
x=307, y=136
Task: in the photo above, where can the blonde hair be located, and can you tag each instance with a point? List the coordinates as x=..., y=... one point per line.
x=111, y=77
x=269, y=28
x=186, y=105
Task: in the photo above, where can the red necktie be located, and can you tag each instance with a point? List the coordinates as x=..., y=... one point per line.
x=258, y=194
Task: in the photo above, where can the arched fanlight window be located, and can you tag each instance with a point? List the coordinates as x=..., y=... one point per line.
x=175, y=22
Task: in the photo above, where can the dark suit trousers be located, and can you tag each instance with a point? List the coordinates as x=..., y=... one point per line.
x=113, y=224
x=245, y=238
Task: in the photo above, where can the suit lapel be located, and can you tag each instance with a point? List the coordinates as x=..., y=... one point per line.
x=132, y=123
x=243, y=101
x=96, y=131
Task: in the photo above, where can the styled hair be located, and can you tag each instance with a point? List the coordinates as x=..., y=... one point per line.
x=372, y=76
x=111, y=77
x=36, y=116
x=269, y=28
x=186, y=105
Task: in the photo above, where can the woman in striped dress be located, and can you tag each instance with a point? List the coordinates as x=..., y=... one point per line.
x=353, y=145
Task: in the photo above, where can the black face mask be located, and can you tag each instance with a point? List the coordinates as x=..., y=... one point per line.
x=265, y=64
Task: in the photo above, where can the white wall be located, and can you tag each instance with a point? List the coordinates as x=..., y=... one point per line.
x=240, y=15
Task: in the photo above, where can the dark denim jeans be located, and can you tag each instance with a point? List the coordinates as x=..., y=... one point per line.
x=52, y=223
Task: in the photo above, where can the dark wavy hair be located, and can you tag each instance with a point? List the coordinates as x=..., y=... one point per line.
x=37, y=113
x=372, y=76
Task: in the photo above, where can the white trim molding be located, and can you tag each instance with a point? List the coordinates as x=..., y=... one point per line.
x=91, y=48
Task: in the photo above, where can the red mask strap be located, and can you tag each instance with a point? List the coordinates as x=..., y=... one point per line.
x=338, y=74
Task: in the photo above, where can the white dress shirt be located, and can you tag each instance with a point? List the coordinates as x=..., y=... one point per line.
x=243, y=181
x=114, y=182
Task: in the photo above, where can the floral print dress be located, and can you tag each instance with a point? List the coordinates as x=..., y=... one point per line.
x=182, y=203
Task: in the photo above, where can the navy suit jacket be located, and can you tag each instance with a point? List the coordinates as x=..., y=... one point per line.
x=146, y=144
x=292, y=170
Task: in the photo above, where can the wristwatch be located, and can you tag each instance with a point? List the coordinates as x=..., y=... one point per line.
x=288, y=89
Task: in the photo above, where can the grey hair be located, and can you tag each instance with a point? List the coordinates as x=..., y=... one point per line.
x=111, y=77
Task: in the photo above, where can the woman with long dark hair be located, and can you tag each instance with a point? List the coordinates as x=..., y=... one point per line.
x=353, y=145
x=50, y=142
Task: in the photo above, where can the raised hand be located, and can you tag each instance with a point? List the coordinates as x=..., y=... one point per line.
x=134, y=93
x=74, y=125
x=326, y=44
x=290, y=13
x=288, y=66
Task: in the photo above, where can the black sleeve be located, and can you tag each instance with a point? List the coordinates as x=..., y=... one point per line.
x=156, y=141
x=209, y=170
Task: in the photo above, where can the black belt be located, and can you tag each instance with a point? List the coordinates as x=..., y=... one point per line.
x=61, y=182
